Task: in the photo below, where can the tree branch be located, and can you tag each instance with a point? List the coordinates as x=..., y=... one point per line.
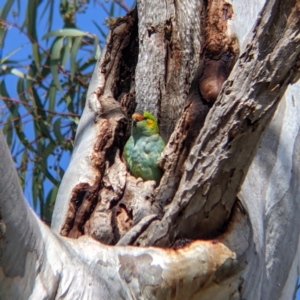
x=35, y=263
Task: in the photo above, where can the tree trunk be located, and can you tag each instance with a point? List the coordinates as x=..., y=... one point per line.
x=224, y=218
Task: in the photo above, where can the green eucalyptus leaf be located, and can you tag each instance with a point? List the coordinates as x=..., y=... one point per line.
x=4, y=13
x=57, y=131
x=11, y=53
x=38, y=104
x=97, y=51
x=61, y=172
x=44, y=163
x=23, y=167
x=56, y=48
x=55, y=58
x=41, y=197
x=34, y=189
x=49, y=6
x=64, y=33
x=40, y=118
x=6, y=8
x=8, y=131
x=74, y=51
x=75, y=120
x=45, y=71
x=49, y=150
x=22, y=93
x=50, y=177
x=50, y=200
x=15, y=117
x=54, y=72
x=66, y=51
x=112, y=9
x=68, y=100
x=18, y=6
x=52, y=97
x=31, y=29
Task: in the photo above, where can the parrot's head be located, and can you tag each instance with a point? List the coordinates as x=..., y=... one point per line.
x=144, y=124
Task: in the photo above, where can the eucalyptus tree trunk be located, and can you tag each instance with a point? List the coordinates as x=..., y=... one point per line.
x=224, y=221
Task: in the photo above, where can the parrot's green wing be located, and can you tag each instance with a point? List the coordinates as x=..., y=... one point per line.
x=143, y=149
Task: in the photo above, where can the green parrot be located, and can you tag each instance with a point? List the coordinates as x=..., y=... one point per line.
x=143, y=149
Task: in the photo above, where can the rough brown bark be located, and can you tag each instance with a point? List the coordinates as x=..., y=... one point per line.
x=98, y=209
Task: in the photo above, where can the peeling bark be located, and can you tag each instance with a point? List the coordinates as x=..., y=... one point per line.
x=98, y=209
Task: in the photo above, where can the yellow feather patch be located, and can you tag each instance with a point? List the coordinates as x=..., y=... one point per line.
x=150, y=123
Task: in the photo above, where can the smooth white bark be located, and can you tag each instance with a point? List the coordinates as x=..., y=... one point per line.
x=270, y=194
x=256, y=258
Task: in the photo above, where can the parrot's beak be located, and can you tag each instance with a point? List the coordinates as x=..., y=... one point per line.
x=136, y=118
x=134, y=121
